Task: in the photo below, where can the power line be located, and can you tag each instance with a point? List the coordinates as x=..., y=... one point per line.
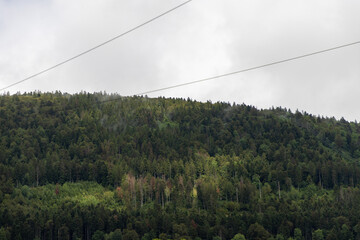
x=97, y=46
x=239, y=71
x=248, y=69
x=236, y=72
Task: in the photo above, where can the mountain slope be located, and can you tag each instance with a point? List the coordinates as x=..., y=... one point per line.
x=207, y=169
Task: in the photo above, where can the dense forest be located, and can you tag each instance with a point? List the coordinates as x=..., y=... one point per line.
x=99, y=166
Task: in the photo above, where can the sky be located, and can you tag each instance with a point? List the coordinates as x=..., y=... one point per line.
x=202, y=39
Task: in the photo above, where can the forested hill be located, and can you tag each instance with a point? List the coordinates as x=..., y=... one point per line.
x=74, y=166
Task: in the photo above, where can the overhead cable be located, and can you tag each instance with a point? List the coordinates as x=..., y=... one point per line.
x=247, y=69
x=96, y=47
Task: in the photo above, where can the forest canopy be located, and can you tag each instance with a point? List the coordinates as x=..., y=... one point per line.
x=100, y=166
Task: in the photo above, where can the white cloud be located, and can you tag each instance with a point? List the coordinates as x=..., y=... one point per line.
x=202, y=39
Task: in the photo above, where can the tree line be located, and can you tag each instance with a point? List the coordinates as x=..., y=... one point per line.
x=172, y=169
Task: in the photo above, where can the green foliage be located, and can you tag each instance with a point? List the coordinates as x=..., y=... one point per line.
x=4, y=234
x=279, y=237
x=297, y=234
x=172, y=168
x=345, y=232
x=98, y=235
x=116, y=235
x=239, y=236
x=130, y=235
x=318, y=235
x=257, y=231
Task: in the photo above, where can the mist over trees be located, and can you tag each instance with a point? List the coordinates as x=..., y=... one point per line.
x=87, y=166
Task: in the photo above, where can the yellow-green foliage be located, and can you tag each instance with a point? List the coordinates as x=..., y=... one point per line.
x=83, y=193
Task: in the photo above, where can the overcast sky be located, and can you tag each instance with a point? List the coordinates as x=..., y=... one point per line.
x=201, y=39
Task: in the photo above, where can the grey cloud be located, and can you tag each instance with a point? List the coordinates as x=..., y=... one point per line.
x=201, y=39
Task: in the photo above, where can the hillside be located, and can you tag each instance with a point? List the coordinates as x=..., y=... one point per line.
x=76, y=167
